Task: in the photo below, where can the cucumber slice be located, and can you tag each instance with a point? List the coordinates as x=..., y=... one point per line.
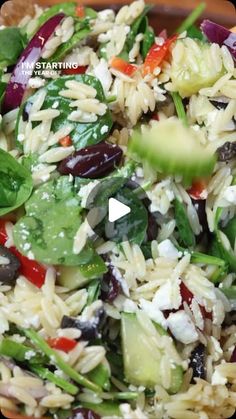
x=171, y=148
x=192, y=67
x=73, y=277
x=141, y=366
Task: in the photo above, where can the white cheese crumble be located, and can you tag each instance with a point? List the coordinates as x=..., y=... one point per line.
x=85, y=191
x=103, y=74
x=182, y=327
x=104, y=129
x=153, y=312
x=166, y=249
x=230, y=194
x=168, y=296
x=218, y=379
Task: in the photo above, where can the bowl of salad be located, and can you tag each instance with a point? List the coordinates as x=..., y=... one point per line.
x=132, y=317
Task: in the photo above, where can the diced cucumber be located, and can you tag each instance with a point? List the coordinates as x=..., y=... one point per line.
x=141, y=366
x=192, y=67
x=172, y=148
x=73, y=277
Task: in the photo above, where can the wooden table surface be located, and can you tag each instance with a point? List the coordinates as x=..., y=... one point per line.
x=165, y=13
x=222, y=11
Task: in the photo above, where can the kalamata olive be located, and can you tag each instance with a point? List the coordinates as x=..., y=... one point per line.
x=90, y=329
x=152, y=229
x=92, y=162
x=9, y=266
x=110, y=285
x=82, y=413
x=227, y=151
x=197, y=362
x=233, y=356
x=26, y=111
x=200, y=206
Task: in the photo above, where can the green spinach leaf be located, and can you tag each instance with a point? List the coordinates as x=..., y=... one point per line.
x=69, y=9
x=50, y=225
x=230, y=231
x=186, y=235
x=15, y=183
x=218, y=247
x=133, y=226
x=148, y=41
x=2, y=91
x=138, y=26
x=11, y=46
x=83, y=134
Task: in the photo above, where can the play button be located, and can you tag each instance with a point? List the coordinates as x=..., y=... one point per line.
x=116, y=210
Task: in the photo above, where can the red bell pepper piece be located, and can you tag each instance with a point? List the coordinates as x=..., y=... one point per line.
x=32, y=270
x=80, y=12
x=156, y=55
x=66, y=141
x=198, y=189
x=123, y=66
x=62, y=343
x=155, y=116
x=187, y=296
x=80, y=69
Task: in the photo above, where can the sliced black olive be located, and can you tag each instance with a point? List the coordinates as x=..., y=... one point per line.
x=219, y=104
x=197, y=362
x=82, y=413
x=110, y=285
x=227, y=151
x=8, y=271
x=90, y=329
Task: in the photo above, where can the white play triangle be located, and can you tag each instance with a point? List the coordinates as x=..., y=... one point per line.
x=116, y=210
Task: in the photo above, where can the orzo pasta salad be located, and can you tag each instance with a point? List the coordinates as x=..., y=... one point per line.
x=132, y=317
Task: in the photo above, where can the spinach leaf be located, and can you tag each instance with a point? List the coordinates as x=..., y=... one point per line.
x=138, y=26
x=186, y=235
x=51, y=222
x=230, y=231
x=84, y=134
x=133, y=226
x=2, y=91
x=11, y=46
x=111, y=184
x=65, y=48
x=15, y=183
x=69, y=9
x=218, y=247
x=148, y=41
x=195, y=33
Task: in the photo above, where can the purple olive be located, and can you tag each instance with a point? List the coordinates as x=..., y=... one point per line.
x=227, y=151
x=82, y=413
x=10, y=270
x=90, y=329
x=152, y=229
x=110, y=285
x=92, y=162
x=197, y=362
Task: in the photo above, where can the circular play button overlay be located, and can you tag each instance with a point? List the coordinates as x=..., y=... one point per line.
x=117, y=210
